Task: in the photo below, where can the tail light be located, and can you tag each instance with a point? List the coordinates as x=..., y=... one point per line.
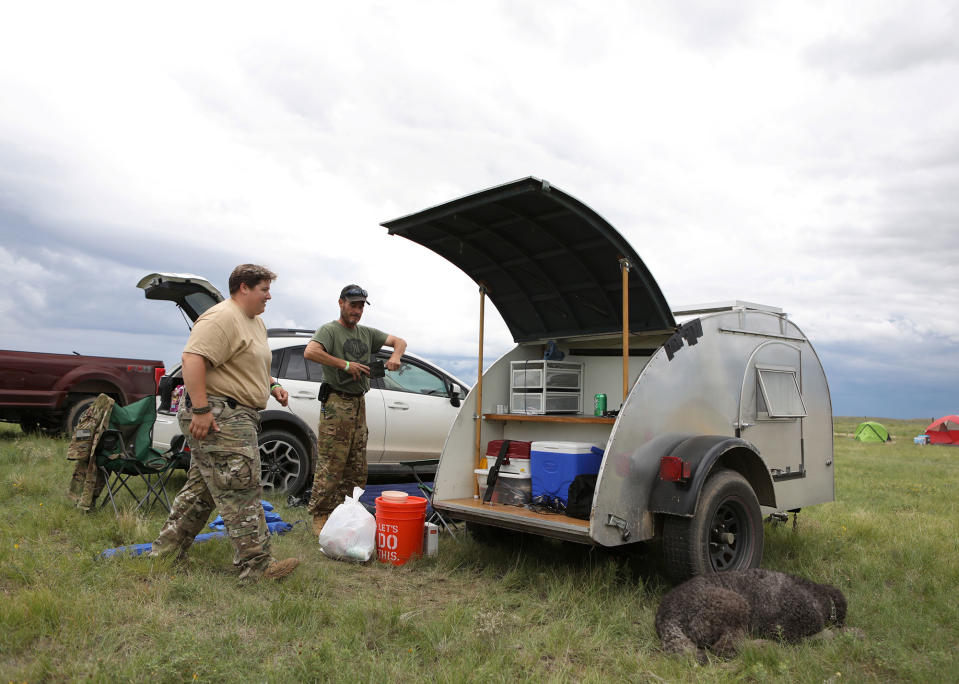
x=674, y=469
x=158, y=373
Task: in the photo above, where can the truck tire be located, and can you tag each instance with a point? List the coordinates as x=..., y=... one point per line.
x=284, y=462
x=74, y=409
x=726, y=532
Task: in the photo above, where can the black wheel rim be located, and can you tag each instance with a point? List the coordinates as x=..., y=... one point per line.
x=279, y=465
x=729, y=537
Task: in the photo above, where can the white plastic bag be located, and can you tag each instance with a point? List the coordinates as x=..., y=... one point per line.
x=350, y=531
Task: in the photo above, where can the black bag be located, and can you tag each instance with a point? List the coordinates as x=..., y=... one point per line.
x=580, y=499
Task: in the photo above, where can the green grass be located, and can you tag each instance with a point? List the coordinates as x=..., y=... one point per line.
x=526, y=609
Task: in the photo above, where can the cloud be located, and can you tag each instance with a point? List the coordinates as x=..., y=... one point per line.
x=803, y=156
x=908, y=37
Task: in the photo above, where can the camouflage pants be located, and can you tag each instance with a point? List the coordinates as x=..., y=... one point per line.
x=341, y=452
x=224, y=473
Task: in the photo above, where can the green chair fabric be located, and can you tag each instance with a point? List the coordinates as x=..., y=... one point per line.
x=124, y=452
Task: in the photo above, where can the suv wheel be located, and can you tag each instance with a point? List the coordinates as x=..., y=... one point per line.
x=284, y=462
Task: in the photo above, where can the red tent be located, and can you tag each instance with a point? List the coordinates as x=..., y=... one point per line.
x=944, y=431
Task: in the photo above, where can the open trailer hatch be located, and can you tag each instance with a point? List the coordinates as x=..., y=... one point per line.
x=549, y=263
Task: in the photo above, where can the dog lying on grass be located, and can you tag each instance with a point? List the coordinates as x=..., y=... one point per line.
x=718, y=611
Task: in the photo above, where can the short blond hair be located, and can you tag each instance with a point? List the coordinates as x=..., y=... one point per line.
x=251, y=275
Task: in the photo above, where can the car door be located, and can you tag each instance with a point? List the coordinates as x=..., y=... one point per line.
x=418, y=412
x=294, y=375
x=301, y=378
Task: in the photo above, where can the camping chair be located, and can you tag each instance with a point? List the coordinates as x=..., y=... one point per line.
x=124, y=452
x=435, y=516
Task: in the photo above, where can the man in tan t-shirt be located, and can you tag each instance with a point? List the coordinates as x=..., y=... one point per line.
x=226, y=370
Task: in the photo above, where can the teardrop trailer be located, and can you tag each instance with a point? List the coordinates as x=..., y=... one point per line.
x=724, y=411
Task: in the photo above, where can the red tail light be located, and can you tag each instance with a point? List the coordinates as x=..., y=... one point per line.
x=674, y=469
x=158, y=373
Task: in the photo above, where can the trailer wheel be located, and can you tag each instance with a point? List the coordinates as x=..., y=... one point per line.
x=726, y=533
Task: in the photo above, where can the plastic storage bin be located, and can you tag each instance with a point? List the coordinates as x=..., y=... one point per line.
x=556, y=464
x=546, y=375
x=555, y=402
x=512, y=489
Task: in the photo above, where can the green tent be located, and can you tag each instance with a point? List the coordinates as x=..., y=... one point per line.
x=871, y=431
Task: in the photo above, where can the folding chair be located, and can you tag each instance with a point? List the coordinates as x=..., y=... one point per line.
x=124, y=452
x=435, y=516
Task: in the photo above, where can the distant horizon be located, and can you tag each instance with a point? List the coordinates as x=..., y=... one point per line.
x=464, y=367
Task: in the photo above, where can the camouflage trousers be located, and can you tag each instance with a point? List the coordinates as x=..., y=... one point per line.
x=225, y=474
x=340, y=452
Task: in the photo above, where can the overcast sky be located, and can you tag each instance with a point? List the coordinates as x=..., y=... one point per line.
x=803, y=155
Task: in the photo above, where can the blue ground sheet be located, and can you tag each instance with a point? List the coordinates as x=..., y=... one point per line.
x=274, y=522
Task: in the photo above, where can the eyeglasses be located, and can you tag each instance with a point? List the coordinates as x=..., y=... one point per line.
x=354, y=292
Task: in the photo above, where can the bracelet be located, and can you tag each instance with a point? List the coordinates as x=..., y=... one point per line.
x=347, y=366
x=275, y=385
x=200, y=410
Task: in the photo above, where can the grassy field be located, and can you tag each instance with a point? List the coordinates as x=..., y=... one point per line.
x=529, y=609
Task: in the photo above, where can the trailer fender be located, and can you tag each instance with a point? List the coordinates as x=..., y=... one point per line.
x=703, y=454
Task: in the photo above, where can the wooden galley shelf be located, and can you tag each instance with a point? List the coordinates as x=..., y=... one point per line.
x=527, y=418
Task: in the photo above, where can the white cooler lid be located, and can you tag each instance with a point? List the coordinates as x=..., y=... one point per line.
x=503, y=473
x=563, y=447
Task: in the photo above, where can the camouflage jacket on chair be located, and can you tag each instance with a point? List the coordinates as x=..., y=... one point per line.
x=87, y=481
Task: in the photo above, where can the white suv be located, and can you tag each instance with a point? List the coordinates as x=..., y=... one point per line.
x=409, y=411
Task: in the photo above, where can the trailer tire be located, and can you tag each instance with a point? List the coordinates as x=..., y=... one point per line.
x=725, y=533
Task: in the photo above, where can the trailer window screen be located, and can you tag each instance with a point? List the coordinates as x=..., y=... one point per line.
x=780, y=392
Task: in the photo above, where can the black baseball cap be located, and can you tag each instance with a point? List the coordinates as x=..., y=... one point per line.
x=354, y=293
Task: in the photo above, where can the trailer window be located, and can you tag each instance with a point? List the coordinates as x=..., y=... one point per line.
x=779, y=395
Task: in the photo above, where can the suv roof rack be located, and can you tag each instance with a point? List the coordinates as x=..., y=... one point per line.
x=288, y=332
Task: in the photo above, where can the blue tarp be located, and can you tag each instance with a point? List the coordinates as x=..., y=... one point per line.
x=273, y=522
x=372, y=491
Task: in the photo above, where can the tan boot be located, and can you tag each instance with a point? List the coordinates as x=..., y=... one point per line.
x=280, y=569
x=318, y=522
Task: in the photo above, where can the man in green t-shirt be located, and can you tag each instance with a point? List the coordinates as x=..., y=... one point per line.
x=344, y=348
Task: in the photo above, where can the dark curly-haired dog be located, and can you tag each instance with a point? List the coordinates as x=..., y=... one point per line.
x=718, y=611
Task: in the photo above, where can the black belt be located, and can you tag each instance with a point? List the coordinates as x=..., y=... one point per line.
x=233, y=403
x=230, y=401
x=345, y=394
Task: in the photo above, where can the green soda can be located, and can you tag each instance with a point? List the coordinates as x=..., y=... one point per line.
x=599, y=405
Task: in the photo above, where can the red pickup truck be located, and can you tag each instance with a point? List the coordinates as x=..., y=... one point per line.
x=50, y=391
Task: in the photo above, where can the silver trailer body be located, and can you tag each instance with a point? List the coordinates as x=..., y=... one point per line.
x=733, y=389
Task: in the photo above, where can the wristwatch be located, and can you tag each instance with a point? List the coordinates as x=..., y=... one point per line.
x=200, y=410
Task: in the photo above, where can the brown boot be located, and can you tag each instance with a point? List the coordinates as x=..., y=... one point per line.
x=318, y=522
x=280, y=569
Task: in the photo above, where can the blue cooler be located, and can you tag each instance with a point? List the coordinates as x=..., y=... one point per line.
x=554, y=465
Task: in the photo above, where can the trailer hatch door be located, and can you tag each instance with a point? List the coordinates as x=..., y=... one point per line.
x=550, y=264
